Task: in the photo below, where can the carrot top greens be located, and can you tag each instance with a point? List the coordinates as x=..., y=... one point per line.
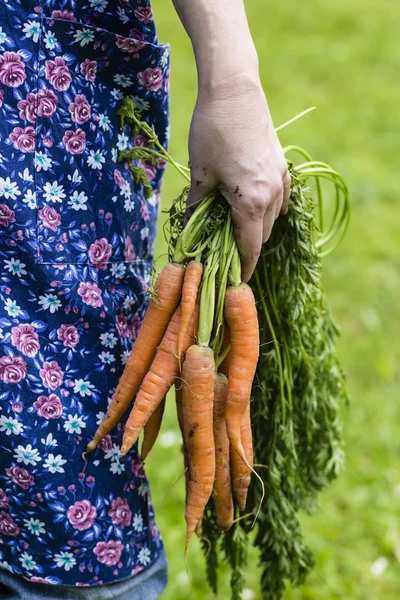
x=299, y=385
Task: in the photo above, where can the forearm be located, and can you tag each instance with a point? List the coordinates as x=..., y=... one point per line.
x=221, y=40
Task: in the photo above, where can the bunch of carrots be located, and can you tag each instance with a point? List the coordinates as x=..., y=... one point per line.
x=201, y=332
x=201, y=327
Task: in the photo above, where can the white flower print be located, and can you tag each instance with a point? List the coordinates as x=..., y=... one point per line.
x=50, y=40
x=27, y=455
x=117, y=468
x=164, y=58
x=49, y=441
x=144, y=233
x=144, y=556
x=35, y=526
x=129, y=205
x=3, y=563
x=32, y=30
x=108, y=339
x=114, y=154
x=75, y=424
x=83, y=387
x=15, y=266
x=42, y=161
x=84, y=36
x=75, y=177
x=1, y=333
x=27, y=561
x=100, y=416
x=65, y=559
x=30, y=199
x=123, y=80
x=9, y=189
x=10, y=425
x=106, y=358
x=50, y=302
x=26, y=176
x=126, y=190
x=128, y=303
x=78, y=200
x=137, y=522
x=104, y=122
x=53, y=192
x=98, y=5
x=122, y=15
x=96, y=159
x=118, y=270
x=3, y=36
x=140, y=103
x=123, y=140
x=113, y=453
x=12, y=308
x=125, y=356
x=54, y=463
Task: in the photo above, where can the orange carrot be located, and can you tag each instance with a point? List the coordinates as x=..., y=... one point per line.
x=159, y=379
x=222, y=491
x=191, y=283
x=167, y=290
x=198, y=393
x=241, y=474
x=152, y=429
x=241, y=315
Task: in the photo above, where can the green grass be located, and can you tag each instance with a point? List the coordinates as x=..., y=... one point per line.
x=343, y=57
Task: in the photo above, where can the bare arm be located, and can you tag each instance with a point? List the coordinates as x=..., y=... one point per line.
x=232, y=142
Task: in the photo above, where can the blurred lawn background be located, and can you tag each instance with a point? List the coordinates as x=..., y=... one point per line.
x=343, y=57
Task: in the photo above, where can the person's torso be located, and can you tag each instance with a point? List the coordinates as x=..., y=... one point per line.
x=76, y=247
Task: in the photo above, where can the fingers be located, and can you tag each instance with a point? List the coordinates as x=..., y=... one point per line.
x=286, y=192
x=249, y=234
x=270, y=217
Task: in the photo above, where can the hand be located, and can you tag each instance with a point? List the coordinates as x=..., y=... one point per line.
x=233, y=146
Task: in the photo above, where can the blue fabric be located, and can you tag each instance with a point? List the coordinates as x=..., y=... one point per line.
x=147, y=585
x=76, y=246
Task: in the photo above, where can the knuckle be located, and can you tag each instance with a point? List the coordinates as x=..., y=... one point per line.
x=276, y=188
x=256, y=206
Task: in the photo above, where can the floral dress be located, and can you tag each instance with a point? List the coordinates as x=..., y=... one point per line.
x=76, y=247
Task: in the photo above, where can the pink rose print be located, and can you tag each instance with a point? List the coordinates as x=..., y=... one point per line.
x=20, y=477
x=49, y=407
x=118, y=178
x=144, y=14
x=135, y=325
x=47, y=141
x=4, y=501
x=28, y=108
x=7, y=525
x=140, y=140
x=144, y=211
x=100, y=253
x=69, y=335
x=12, y=69
x=137, y=467
x=133, y=43
x=151, y=79
x=108, y=553
x=75, y=141
x=91, y=294
x=120, y=512
x=89, y=69
x=122, y=326
x=65, y=15
x=82, y=514
x=23, y=139
x=47, y=103
x=106, y=443
x=80, y=109
x=7, y=215
x=57, y=72
x=12, y=369
x=36, y=579
x=150, y=170
x=129, y=250
x=51, y=374
x=1, y=98
x=50, y=217
x=26, y=340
